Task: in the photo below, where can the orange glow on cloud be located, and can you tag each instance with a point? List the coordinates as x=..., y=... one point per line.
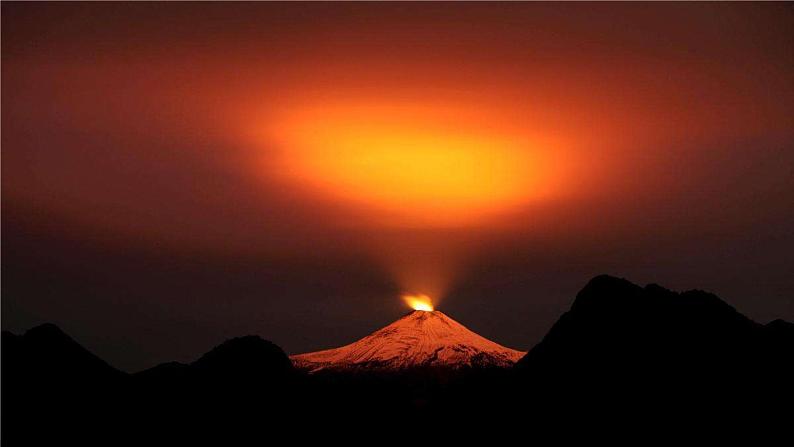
x=416, y=165
x=426, y=166
x=426, y=136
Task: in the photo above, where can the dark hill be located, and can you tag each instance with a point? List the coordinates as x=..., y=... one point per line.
x=242, y=357
x=651, y=349
x=47, y=353
x=49, y=381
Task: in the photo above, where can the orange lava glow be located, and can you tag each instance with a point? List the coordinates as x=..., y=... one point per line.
x=417, y=165
x=419, y=302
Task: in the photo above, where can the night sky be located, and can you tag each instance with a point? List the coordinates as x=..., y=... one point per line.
x=175, y=174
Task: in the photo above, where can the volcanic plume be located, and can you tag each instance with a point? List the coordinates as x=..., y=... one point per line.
x=418, y=339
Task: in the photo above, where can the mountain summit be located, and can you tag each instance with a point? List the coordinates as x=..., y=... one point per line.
x=419, y=339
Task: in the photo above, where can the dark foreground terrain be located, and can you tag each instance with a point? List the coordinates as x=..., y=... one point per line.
x=623, y=358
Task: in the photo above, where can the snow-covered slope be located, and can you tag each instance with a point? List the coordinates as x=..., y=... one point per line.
x=420, y=338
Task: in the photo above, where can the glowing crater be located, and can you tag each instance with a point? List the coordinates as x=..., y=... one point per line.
x=419, y=302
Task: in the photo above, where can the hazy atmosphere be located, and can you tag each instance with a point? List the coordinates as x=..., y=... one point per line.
x=177, y=174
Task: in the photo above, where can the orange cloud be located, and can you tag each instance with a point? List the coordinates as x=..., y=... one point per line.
x=410, y=164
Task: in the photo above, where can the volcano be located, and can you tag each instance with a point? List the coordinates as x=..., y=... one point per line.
x=419, y=339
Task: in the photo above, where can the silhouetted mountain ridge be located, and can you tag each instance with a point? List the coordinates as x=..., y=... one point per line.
x=638, y=345
x=47, y=350
x=250, y=355
x=612, y=317
x=636, y=349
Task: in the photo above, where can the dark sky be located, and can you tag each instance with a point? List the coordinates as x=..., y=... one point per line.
x=174, y=174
